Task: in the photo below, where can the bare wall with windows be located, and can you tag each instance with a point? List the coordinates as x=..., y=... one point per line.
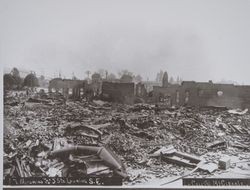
x=204, y=94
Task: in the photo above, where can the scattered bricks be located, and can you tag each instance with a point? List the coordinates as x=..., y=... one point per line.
x=224, y=163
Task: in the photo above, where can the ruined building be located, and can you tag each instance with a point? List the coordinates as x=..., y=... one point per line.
x=193, y=93
x=118, y=92
x=188, y=93
x=140, y=90
x=69, y=88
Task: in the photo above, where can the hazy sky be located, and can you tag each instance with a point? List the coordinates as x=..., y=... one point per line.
x=197, y=40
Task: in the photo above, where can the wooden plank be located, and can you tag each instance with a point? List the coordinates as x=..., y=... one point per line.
x=178, y=161
x=188, y=156
x=19, y=168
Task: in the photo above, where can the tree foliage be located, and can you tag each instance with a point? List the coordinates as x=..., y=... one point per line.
x=125, y=72
x=96, y=77
x=126, y=78
x=13, y=80
x=9, y=81
x=103, y=73
x=15, y=72
x=138, y=78
x=42, y=81
x=16, y=75
x=31, y=80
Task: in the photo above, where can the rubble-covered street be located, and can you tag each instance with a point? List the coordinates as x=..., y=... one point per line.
x=151, y=143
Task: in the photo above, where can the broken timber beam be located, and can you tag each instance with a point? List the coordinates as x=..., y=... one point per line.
x=216, y=143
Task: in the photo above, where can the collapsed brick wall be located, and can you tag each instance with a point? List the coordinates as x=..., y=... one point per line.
x=205, y=94
x=65, y=85
x=118, y=92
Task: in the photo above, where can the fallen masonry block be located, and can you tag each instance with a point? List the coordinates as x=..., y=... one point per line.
x=224, y=163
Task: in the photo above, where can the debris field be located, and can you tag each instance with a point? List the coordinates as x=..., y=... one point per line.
x=139, y=143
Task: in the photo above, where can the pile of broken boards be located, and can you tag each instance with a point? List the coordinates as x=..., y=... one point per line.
x=193, y=132
x=133, y=132
x=62, y=160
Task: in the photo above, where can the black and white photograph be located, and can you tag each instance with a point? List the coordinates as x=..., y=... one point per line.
x=125, y=93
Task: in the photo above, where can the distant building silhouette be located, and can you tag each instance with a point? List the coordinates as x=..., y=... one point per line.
x=165, y=80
